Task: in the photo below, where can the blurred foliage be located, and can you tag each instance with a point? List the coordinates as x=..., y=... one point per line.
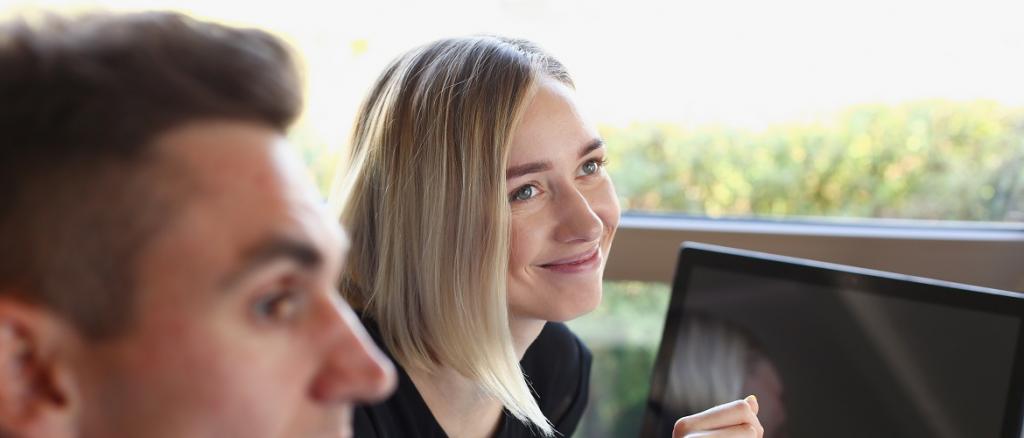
x=623, y=333
x=936, y=159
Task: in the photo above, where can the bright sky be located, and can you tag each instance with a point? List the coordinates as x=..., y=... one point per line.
x=747, y=63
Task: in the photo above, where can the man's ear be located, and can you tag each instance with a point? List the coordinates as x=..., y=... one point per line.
x=35, y=384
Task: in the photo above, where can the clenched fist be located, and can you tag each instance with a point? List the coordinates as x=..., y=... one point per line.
x=731, y=420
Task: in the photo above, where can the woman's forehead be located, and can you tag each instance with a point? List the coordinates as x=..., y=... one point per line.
x=552, y=125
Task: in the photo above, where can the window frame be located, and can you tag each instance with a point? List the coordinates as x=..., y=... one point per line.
x=983, y=254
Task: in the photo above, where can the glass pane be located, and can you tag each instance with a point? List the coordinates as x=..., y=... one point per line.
x=623, y=333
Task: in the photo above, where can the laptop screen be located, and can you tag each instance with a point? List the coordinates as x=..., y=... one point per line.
x=837, y=352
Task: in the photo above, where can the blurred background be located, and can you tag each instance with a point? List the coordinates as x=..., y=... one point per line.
x=868, y=112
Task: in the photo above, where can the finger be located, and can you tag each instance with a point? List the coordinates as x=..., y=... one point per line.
x=752, y=401
x=729, y=414
x=738, y=431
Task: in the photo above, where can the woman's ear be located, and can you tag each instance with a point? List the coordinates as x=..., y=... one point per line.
x=35, y=385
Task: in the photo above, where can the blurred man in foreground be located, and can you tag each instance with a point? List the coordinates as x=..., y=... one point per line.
x=166, y=269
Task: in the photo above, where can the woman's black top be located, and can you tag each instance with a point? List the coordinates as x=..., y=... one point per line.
x=557, y=366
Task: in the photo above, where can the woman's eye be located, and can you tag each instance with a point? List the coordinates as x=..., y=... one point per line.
x=280, y=306
x=591, y=167
x=523, y=193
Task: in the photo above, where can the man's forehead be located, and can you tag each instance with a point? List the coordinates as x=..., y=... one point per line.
x=247, y=176
x=236, y=160
x=220, y=149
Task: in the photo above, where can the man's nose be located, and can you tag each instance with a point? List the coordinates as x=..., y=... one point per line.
x=355, y=370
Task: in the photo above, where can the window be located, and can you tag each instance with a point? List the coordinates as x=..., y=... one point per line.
x=906, y=109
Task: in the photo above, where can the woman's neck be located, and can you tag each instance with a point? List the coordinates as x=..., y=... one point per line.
x=457, y=403
x=524, y=332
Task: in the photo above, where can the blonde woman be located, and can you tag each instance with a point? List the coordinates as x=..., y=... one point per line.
x=482, y=217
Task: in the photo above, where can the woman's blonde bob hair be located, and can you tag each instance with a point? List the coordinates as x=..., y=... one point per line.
x=426, y=204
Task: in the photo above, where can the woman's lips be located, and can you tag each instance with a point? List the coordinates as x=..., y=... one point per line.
x=580, y=263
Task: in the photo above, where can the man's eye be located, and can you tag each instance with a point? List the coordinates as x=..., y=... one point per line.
x=591, y=167
x=523, y=193
x=279, y=306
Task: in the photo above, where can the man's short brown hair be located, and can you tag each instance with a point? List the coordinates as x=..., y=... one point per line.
x=81, y=102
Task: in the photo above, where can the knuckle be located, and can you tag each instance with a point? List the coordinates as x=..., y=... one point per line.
x=683, y=427
x=682, y=424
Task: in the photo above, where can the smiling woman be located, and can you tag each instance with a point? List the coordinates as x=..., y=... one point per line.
x=483, y=217
x=429, y=208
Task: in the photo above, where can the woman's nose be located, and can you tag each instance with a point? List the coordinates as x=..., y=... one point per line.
x=577, y=220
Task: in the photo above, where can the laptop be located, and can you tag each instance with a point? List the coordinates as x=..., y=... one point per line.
x=837, y=351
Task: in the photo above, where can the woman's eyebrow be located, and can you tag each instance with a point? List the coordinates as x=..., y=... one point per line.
x=526, y=169
x=541, y=166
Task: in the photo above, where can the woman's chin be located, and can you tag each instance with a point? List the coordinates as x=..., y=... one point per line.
x=563, y=307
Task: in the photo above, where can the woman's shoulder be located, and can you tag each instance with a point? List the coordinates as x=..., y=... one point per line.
x=557, y=365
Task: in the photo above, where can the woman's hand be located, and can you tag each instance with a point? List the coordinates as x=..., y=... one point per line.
x=737, y=419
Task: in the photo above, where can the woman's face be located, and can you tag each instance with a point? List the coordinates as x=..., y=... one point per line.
x=564, y=210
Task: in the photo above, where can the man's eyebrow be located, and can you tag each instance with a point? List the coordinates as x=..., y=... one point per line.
x=541, y=166
x=594, y=144
x=273, y=249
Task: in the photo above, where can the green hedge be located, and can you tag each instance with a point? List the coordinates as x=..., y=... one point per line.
x=937, y=160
